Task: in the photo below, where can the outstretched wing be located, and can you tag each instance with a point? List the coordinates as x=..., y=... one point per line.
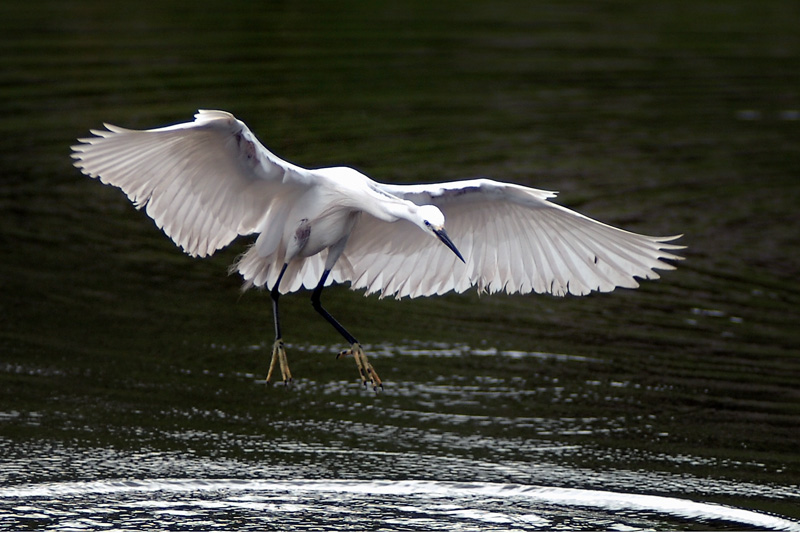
x=512, y=238
x=203, y=182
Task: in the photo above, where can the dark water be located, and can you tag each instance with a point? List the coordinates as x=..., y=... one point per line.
x=131, y=376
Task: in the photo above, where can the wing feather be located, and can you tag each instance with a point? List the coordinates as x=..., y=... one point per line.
x=524, y=263
x=513, y=239
x=202, y=182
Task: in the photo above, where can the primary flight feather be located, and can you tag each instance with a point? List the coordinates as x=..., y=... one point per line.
x=206, y=182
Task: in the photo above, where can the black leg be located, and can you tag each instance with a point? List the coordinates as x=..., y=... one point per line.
x=365, y=369
x=278, y=351
x=325, y=314
x=275, y=293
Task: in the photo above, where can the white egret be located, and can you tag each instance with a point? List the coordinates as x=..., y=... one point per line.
x=206, y=182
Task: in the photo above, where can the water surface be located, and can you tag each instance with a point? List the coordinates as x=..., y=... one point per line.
x=131, y=376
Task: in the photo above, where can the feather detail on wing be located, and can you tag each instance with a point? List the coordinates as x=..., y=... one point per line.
x=512, y=238
x=202, y=182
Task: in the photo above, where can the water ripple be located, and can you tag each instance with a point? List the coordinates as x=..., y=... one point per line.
x=355, y=504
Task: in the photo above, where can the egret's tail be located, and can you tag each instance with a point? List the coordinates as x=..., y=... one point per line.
x=259, y=271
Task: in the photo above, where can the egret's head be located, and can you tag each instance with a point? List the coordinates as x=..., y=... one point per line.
x=433, y=221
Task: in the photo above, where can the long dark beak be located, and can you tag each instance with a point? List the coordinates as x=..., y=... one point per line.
x=442, y=234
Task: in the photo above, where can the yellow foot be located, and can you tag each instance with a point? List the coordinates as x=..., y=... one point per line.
x=365, y=369
x=279, y=357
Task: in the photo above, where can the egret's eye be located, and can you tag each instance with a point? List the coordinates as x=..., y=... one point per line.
x=427, y=223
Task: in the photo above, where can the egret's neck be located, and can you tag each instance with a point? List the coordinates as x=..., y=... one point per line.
x=390, y=208
x=400, y=209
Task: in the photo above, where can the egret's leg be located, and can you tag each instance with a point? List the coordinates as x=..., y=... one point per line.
x=278, y=350
x=365, y=369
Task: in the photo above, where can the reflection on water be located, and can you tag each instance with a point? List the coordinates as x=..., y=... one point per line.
x=346, y=504
x=438, y=349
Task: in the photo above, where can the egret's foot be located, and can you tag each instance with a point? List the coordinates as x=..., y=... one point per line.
x=365, y=369
x=279, y=357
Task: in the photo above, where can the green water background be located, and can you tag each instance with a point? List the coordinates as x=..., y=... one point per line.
x=659, y=117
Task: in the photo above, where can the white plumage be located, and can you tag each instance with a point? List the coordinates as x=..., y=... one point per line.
x=208, y=181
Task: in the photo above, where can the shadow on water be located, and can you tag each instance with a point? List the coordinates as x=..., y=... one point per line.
x=131, y=376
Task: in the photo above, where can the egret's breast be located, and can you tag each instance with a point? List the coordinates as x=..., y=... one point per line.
x=311, y=236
